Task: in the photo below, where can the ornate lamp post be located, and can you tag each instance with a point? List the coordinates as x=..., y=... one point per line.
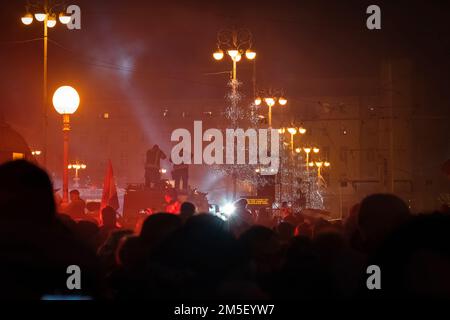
x=271, y=98
x=66, y=101
x=307, y=151
x=77, y=167
x=47, y=14
x=320, y=165
x=292, y=132
x=234, y=43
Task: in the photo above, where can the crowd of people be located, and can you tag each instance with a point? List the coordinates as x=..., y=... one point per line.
x=194, y=255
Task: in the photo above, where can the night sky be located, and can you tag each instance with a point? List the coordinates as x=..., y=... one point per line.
x=162, y=50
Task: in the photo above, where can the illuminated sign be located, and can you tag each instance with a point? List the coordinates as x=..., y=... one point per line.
x=18, y=156
x=259, y=202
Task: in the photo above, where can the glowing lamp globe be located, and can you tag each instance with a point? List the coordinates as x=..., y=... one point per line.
x=292, y=131
x=250, y=54
x=66, y=100
x=51, y=22
x=40, y=16
x=282, y=101
x=316, y=150
x=237, y=58
x=27, y=19
x=233, y=53
x=302, y=130
x=64, y=18
x=258, y=101
x=270, y=101
x=218, y=55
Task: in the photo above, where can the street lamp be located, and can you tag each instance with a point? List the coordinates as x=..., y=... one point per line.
x=270, y=98
x=292, y=132
x=307, y=151
x=250, y=54
x=269, y=101
x=76, y=166
x=66, y=101
x=40, y=16
x=64, y=18
x=218, y=55
x=51, y=21
x=47, y=15
x=282, y=101
x=235, y=43
x=320, y=165
x=27, y=19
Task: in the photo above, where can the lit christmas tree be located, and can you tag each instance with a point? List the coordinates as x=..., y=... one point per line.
x=239, y=117
x=298, y=184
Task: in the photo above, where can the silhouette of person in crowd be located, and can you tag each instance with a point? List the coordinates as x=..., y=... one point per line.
x=36, y=248
x=77, y=206
x=187, y=210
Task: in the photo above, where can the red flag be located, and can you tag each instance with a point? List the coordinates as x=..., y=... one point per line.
x=109, y=195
